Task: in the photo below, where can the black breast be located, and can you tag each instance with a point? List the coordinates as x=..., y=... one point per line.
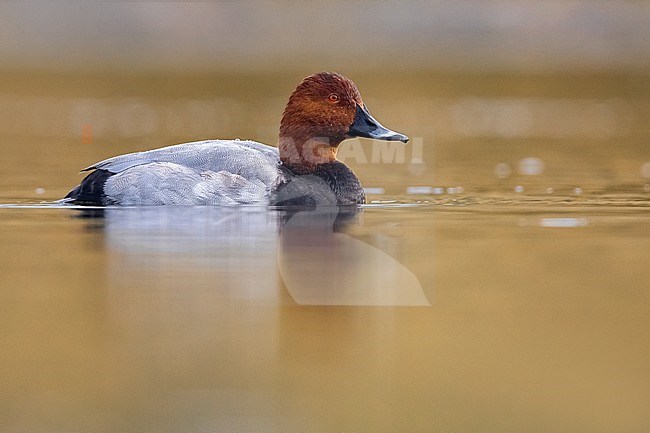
x=330, y=184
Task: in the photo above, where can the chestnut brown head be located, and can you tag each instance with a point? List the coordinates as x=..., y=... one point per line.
x=325, y=109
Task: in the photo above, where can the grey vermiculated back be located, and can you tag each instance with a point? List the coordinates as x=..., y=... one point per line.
x=213, y=155
x=224, y=172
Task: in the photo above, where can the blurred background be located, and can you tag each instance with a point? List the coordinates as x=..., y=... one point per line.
x=538, y=97
x=254, y=36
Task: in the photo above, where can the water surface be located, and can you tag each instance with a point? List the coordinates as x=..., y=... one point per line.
x=418, y=318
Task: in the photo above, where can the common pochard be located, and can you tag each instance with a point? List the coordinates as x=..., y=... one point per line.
x=325, y=109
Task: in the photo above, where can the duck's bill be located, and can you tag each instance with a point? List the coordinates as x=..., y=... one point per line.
x=366, y=126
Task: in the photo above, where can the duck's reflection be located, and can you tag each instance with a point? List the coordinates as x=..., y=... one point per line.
x=238, y=252
x=321, y=265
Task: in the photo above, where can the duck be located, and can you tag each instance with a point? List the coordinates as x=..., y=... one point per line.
x=325, y=109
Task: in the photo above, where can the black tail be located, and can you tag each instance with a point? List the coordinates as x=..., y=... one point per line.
x=91, y=189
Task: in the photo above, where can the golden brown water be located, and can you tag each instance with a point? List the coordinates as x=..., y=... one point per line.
x=473, y=309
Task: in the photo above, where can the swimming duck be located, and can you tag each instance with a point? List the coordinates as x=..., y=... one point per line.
x=325, y=109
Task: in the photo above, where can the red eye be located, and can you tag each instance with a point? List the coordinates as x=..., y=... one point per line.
x=333, y=98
